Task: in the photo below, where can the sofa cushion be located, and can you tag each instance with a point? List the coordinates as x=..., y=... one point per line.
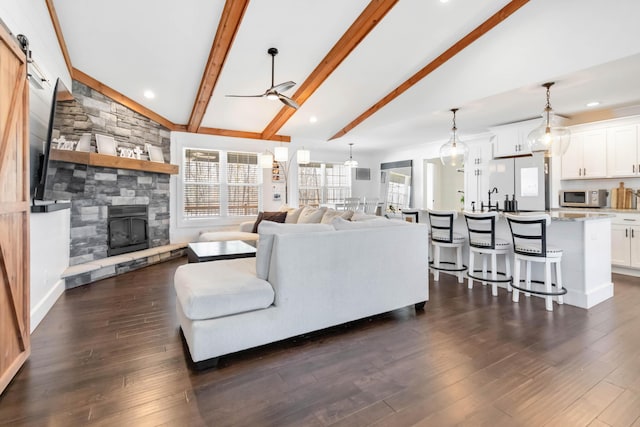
x=342, y=224
x=311, y=215
x=267, y=229
x=220, y=288
x=361, y=216
x=269, y=216
x=332, y=213
x=292, y=214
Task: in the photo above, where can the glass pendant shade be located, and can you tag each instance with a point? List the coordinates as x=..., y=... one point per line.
x=266, y=160
x=351, y=163
x=281, y=154
x=454, y=152
x=550, y=137
x=304, y=157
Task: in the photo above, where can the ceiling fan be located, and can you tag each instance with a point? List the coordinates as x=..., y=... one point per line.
x=274, y=91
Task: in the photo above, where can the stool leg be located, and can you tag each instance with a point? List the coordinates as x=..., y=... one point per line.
x=436, y=262
x=516, y=279
x=484, y=268
x=507, y=265
x=470, y=271
x=559, y=282
x=548, y=302
x=527, y=282
x=459, y=264
x=494, y=274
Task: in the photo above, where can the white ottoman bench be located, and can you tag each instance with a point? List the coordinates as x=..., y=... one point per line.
x=216, y=289
x=220, y=236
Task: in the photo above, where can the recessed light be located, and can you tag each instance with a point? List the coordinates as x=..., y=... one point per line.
x=313, y=119
x=444, y=1
x=149, y=94
x=593, y=104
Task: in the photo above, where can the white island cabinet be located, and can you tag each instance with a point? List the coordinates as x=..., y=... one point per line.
x=585, y=239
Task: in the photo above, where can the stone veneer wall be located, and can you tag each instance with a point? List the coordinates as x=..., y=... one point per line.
x=92, y=189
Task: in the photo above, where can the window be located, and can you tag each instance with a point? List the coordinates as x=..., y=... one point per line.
x=201, y=183
x=323, y=183
x=218, y=183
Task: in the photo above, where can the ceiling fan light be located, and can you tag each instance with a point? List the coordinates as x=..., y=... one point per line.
x=454, y=152
x=281, y=154
x=272, y=96
x=304, y=157
x=266, y=160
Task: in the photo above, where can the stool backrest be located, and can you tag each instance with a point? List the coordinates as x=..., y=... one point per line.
x=529, y=233
x=482, y=229
x=441, y=223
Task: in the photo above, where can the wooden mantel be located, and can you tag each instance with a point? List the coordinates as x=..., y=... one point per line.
x=104, y=160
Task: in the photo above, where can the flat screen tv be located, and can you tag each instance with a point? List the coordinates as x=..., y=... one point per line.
x=42, y=188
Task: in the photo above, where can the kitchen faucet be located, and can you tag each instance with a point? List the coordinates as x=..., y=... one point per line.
x=489, y=206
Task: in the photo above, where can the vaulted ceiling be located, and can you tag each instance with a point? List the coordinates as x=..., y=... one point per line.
x=379, y=73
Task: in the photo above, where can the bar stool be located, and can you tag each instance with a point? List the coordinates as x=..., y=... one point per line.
x=443, y=236
x=529, y=233
x=483, y=241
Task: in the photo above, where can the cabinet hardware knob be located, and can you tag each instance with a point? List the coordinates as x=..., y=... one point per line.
x=626, y=232
x=579, y=171
x=584, y=171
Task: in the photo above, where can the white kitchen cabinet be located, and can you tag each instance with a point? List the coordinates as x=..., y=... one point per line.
x=625, y=241
x=476, y=176
x=511, y=140
x=622, y=151
x=586, y=156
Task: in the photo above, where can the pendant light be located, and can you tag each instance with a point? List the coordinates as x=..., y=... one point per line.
x=351, y=163
x=454, y=152
x=303, y=156
x=549, y=137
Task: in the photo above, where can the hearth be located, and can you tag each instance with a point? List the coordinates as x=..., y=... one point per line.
x=128, y=229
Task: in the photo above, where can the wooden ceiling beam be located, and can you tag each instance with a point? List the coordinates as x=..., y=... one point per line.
x=242, y=134
x=227, y=29
x=56, y=26
x=461, y=44
x=368, y=19
x=122, y=99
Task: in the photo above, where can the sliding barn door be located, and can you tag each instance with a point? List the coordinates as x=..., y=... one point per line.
x=14, y=209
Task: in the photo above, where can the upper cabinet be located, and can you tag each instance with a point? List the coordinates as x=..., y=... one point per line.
x=511, y=140
x=622, y=151
x=587, y=155
x=476, y=176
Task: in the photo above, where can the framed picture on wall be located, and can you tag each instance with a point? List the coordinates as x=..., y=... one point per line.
x=106, y=144
x=155, y=153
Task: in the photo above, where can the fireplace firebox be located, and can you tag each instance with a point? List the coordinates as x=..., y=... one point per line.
x=128, y=229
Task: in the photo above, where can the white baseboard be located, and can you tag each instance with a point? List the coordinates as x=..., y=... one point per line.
x=44, y=305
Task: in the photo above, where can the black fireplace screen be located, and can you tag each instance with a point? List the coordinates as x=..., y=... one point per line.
x=128, y=229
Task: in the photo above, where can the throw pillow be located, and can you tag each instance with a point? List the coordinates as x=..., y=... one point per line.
x=330, y=214
x=311, y=215
x=292, y=214
x=269, y=216
x=266, y=231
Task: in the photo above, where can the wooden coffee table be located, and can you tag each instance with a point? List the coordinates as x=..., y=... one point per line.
x=214, y=251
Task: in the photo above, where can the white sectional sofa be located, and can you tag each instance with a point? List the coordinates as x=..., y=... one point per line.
x=305, y=277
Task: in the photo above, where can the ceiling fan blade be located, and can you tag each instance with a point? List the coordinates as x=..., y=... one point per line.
x=245, y=96
x=288, y=101
x=282, y=87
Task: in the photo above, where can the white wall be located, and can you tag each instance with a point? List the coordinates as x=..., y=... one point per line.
x=188, y=231
x=49, y=232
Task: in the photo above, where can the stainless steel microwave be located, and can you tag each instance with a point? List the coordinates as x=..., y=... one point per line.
x=584, y=198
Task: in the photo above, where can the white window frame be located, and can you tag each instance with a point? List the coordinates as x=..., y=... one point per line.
x=224, y=218
x=324, y=189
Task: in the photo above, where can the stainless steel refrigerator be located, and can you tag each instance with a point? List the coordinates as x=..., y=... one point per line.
x=525, y=177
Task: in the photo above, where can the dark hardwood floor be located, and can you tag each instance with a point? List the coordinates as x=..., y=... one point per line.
x=110, y=354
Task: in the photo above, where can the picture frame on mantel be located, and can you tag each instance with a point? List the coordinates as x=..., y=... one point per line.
x=106, y=144
x=155, y=153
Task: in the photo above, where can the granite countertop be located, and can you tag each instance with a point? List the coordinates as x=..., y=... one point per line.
x=599, y=210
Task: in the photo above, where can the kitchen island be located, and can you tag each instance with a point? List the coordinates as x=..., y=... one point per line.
x=585, y=239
